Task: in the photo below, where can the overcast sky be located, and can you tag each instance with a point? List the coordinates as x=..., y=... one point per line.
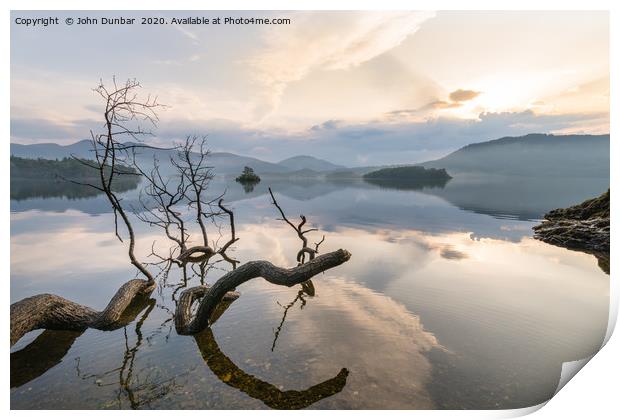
x=357, y=88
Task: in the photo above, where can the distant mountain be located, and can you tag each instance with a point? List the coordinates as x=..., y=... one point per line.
x=226, y=164
x=297, y=163
x=223, y=163
x=532, y=155
x=231, y=164
x=82, y=149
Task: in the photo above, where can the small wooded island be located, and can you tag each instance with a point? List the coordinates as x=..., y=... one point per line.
x=408, y=177
x=248, y=175
x=248, y=179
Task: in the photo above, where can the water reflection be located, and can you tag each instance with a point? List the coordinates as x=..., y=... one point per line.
x=408, y=184
x=516, y=197
x=438, y=308
x=306, y=289
x=24, y=189
x=272, y=396
x=45, y=352
x=50, y=347
x=248, y=186
x=138, y=387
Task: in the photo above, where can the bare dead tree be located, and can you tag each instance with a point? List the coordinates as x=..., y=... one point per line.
x=181, y=195
x=192, y=165
x=224, y=289
x=124, y=111
x=164, y=213
x=123, y=114
x=199, y=175
x=301, y=233
x=233, y=236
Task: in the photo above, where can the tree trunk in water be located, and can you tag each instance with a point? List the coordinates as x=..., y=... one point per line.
x=224, y=287
x=53, y=312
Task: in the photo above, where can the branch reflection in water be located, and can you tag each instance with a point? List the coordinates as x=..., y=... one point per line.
x=307, y=290
x=139, y=391
x=142, y=387
x=229, y=373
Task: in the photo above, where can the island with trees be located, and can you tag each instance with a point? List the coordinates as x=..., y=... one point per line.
x=408, y=177
x=248, y=179
x=177, y=207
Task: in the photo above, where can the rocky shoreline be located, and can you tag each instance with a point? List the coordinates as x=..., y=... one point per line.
x=583, y=227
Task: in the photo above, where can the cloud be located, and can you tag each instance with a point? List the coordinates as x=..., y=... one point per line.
x=461, y=95
x=452, y=254
x=44, y=130
x=456, y=101
x=368, y=143
x=442, y=105
x=327, y=125
x=327, y=41
x=434, y=105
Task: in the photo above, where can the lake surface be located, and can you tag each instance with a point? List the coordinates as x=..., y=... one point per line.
x=447, y=302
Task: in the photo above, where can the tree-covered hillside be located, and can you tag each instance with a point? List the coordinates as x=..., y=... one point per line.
x=408, y=177
x=48, y=169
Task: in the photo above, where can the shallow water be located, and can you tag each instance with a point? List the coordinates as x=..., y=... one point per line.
x=444, y=304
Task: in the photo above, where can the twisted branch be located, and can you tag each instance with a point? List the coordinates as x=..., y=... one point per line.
x=53, y=312
x=186, y=325
x=301, y=233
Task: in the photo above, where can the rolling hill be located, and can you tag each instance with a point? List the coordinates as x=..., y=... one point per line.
x=297, y=163
x=223, y=163
x=81, y=149
x=532, y=155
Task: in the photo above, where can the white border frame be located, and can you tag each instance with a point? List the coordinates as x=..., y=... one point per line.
x=593, y=393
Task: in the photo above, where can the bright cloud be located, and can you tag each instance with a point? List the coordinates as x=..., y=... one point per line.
x=330, y=41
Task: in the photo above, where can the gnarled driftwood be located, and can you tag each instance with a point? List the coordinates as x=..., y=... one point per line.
x=187, y=325
x=53, y=312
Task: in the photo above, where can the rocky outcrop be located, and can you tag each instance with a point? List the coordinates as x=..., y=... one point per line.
x=583, y=227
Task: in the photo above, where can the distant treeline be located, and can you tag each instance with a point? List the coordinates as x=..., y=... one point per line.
x=44, y=178
x=66, y=168
x=408, y=177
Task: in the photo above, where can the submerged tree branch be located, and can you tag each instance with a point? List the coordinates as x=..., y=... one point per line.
x=53, y=312
x=184, y=323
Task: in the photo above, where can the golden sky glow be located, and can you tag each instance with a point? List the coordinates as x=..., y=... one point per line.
x=360, y=70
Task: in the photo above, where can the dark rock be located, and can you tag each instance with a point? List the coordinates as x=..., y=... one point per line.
x=583, y=227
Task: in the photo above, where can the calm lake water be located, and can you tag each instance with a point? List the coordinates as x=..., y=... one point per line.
x=447, y=302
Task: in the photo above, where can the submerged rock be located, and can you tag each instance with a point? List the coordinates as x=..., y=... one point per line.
x=583, y=227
